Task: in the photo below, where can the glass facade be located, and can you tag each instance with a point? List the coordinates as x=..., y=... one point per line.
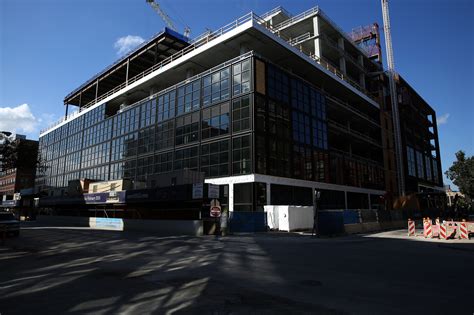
x=216, y=124
x=188, y=126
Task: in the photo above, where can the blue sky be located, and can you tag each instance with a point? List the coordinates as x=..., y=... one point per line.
x=50, y=47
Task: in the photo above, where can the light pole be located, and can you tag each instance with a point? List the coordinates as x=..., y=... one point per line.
x=317, y=195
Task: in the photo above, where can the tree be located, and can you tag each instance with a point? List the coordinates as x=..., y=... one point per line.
x=461, y=173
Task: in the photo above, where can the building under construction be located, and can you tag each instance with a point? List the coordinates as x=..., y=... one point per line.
x=269, y=107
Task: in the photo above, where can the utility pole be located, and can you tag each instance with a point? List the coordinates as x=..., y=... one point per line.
x=394, y=98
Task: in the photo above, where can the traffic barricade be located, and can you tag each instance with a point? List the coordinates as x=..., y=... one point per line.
x=427, y=228
x=411, y=227
x=442, y=231
x=463, y=232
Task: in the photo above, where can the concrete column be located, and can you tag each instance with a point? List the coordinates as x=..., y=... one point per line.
x=231, y=197
x=360, y=58
x=317, y=40
x=370, y=204
x=96, y=89
x=67, y=109
x=126, y=74
x=269, y=194
x=345, y=199
x=342, y=59
x=362, y=80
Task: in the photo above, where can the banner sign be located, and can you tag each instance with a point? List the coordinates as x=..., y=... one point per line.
x=106, y=223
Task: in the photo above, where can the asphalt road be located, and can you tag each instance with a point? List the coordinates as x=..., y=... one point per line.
x=62, y=270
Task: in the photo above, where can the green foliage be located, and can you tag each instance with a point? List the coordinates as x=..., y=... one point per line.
x=461, y=173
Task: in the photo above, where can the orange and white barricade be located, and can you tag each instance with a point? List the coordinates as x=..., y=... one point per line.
x=427, y=228
x=464, y=234
x=411, y=227
x=442, y=231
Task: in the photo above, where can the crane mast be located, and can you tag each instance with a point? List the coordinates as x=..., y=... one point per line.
x=393, y=98
x=156, y=7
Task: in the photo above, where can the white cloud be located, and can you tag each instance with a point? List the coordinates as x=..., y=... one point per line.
x=443, y=119
x=125, y=44
x=17, y=119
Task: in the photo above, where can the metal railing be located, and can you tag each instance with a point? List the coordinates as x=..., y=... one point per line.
x=360, y=135
x=297, y=18
x=299, y=39
x=274, y=11
x=353, y=109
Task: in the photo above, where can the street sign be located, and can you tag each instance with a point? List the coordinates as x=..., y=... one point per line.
x=213, y=191
x=215, y=211
x=198, y=191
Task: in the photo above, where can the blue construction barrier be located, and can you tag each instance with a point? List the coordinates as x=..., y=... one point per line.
x=331, y=222
x=247, y=222
x=351, y=216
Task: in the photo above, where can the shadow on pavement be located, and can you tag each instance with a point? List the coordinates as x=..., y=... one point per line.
x=102, y=272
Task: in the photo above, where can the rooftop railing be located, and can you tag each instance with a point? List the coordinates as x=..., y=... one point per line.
x=274, y=11
x=296, y=18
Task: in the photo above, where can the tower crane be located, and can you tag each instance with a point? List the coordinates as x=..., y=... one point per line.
x=393, y=97
x=156, y=7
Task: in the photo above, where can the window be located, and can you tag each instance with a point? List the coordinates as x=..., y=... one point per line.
x=96, y=155
x=428, y=168
x=320, y=136
x=215, y=159
x=216, y=87
x=116, y=171
x=125, y=146
x=241, y=114
x=146, y=140
x=187, y=129
x=163, y=162
x=435, y=171
x=126, y=121
x=97, y=133
x=318, y=105
x=164, y=135
x=129, y=169
x=411, y=161
x=74, y=143
x=241, y=77
x=186, y=159
x=148, y=113
x=241, y=155
x=215, y=121
x=419, y=164
x=300, y=96
x=321, y=161
x=96, y=173
x=144, y=167
x=166, y=106
x=301, y=128
x=278, y=85
x=94, y=116
x=188, y=97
